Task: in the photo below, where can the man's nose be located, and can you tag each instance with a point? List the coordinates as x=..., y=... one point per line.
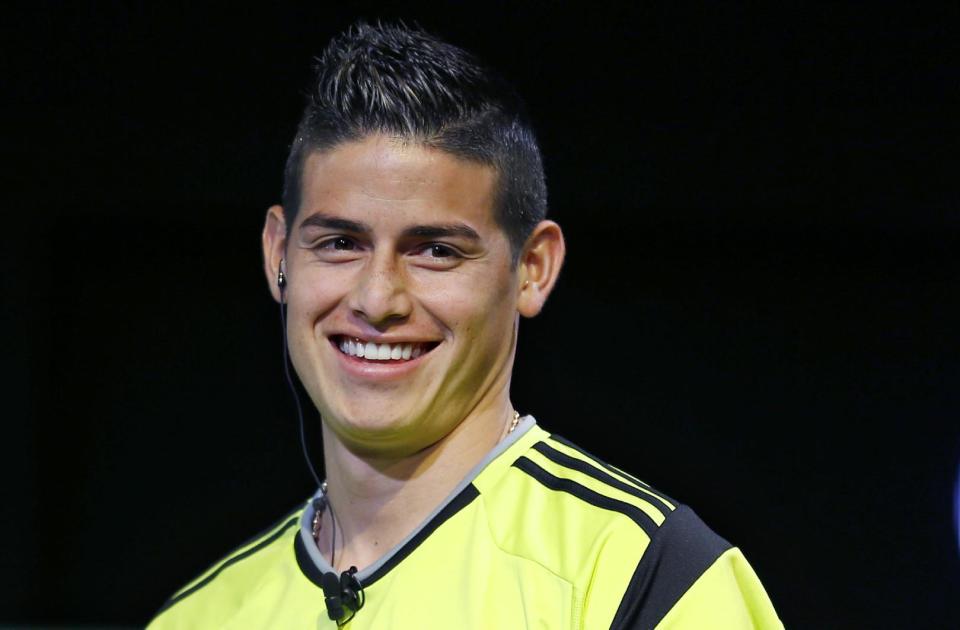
x=380, y=296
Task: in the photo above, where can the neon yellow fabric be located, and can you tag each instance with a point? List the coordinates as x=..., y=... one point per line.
x=545, y=536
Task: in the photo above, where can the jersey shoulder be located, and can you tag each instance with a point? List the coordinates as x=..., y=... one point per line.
x=211, y=598
x=559, y=492
x=629, y=551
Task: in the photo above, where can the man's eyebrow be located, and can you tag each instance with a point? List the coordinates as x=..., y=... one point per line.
x=417, y=231
x=442, y=230
x=334, y=223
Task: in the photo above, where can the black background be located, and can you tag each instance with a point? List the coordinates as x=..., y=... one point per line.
x=757, y=313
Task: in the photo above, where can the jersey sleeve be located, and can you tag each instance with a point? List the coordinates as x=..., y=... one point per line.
x=727, y=595
x=689, y=577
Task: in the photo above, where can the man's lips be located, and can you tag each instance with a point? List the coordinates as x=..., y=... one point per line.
x=397, y=352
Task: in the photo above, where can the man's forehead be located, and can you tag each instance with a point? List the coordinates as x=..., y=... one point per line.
x=375, y=165
x=380, y=175
x=391, y=156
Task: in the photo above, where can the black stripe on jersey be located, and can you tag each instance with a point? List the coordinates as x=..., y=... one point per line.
x=582, y=451
x=233, y=560
x=677, y=556
x=583, y=493
x=592, y=471
x=462, y=500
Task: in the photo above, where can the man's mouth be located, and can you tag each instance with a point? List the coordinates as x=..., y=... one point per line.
x=370, y=351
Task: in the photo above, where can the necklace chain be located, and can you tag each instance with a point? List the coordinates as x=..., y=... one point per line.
x=514, y=422
x=320, y=504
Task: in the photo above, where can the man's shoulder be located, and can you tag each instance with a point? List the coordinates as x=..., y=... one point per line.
x=615, y=498
x=581, y=506
x=566, y=477
x=631, y=550
x=237, y=572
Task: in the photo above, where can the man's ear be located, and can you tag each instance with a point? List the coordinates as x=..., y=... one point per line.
x=274, y=247
x=539, y=267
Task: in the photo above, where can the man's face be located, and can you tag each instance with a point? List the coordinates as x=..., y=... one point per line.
x=395, y=251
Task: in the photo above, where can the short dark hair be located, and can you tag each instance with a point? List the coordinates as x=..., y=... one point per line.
x=404, y=82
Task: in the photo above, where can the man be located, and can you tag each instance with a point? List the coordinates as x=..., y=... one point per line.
x=411, y=239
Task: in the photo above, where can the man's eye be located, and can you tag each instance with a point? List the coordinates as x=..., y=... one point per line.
x=441, y=251
x=339, y=243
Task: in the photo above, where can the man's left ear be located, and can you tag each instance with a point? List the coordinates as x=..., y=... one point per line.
x=539, y=267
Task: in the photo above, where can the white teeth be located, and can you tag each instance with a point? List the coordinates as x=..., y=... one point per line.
x=380, y=352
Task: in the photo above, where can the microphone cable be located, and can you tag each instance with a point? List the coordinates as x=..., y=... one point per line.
x=303, y=434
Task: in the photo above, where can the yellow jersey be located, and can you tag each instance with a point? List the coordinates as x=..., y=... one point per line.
x=539, y=535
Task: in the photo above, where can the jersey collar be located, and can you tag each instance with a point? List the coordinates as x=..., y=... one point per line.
x=483, y=475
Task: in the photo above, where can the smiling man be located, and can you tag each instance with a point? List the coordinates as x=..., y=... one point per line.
x=411, y=239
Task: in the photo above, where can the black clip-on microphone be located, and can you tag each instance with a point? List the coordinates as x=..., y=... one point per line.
x=343, y=595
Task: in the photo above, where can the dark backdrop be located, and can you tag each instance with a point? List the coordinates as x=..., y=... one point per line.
x=757, y=314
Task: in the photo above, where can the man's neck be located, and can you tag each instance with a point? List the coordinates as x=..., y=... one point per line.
x=379, y=501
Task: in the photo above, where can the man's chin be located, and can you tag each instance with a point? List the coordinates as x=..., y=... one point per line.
x=384, y=444
x=378, y=434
